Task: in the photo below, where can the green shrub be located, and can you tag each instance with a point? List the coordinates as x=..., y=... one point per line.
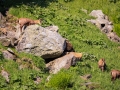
x=37, y=61
x=60, y=80
x=117, y=29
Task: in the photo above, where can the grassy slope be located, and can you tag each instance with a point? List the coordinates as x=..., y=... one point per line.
x=84, y=36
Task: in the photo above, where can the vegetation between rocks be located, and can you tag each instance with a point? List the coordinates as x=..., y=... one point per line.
x=70, y=17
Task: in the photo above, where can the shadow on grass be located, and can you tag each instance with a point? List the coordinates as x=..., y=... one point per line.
x=6, y=4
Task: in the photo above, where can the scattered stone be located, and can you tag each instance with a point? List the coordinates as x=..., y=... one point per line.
x=84, y=10
x=37, y=80
x=10, y=55
x=5, y=75
x=48, y=78
x=97, y=14
x=86, y=77
x=4, y=41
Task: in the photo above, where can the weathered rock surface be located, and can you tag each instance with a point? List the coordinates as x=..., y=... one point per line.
x=9, y=39
x=5, y=41
x=86, y=77
x=9, y=54
x=103, y=23
x=52, y=28
x=8, y=33
x=65, y=61
x=97, y=14
x=5, y=75
x=41, y=42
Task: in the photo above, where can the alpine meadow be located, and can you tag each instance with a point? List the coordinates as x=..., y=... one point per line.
x=71, y=17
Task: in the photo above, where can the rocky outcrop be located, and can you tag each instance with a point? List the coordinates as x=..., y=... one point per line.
x=8, y=33
x=9, y=39
x=65, y=61
x=103, y=23
x=41, y=42
x=97, y=14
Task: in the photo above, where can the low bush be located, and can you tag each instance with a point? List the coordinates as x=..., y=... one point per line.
x=60, y=80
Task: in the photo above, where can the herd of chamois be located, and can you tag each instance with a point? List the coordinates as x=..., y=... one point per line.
x=23, y=22
x=101, y=63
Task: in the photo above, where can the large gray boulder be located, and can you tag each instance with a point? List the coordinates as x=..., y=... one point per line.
x=41, y=42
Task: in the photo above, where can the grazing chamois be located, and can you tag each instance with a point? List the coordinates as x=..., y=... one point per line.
x=115, y=74
x=26, y=22
x=102, y=64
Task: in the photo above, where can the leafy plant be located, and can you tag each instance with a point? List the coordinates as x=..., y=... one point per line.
x=60, y=80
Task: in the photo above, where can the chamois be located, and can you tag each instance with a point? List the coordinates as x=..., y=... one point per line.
x=115, y=74
x=26, y=22
x=102, y=64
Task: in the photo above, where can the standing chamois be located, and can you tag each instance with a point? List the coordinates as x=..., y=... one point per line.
x=115, y=74
x=102, y=64
x=26, y=22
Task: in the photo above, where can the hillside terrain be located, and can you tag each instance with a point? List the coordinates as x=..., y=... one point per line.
x=71, y=17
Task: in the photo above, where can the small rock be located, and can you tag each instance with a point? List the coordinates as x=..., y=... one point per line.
x=8, y=55
x=5, y=75
x=86, y=77
x=5, y=42
x=37, y=80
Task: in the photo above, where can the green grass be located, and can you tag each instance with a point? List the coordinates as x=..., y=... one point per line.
x=60, y=80
x=84, y=36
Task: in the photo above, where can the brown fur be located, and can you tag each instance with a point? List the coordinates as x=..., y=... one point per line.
x=77, y=55
x=102, y=64
x=115, y=74
x=27, y=22
x=69, y=47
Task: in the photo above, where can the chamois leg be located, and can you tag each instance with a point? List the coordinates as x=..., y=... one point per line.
x=113, y=78
x=102, y=68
